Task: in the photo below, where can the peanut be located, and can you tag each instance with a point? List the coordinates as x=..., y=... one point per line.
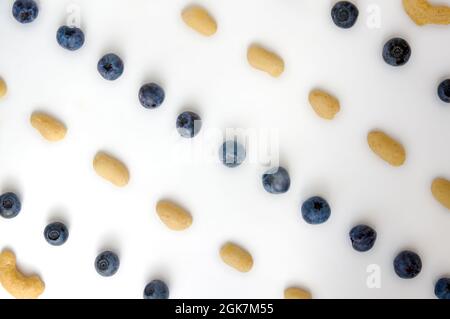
x=324, y=104
x=265, y=61
x=236, y=257
x=440, y=189
x=386, y=148
x=49, y=127
x=296, y=293
x=111, y=169
x=3, y=88
x=173, y=216
x=199, y=19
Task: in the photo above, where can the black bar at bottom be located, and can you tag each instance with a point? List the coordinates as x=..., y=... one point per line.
x=192, y=308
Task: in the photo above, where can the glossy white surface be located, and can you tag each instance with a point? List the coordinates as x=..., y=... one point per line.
x=212, y=77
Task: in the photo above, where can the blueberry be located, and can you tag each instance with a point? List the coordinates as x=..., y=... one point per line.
x=188, y=124
x=276, y=180
x=344, y=14
x=151, y=95
x=156, y=289
x=110, y=67
x=396, y=52
x=442, y=288
x=444, y=91
x=70, y=38
x=316, y=210
x=56, y=234
x=363, y=237
x=9, y=205
x=232, y=153
x=25, y=11
x=407, y=264
x=107, y=263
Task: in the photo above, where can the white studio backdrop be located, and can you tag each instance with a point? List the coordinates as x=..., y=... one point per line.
x=212, y=77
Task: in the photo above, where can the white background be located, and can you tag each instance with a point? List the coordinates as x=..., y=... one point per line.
x=212, y=77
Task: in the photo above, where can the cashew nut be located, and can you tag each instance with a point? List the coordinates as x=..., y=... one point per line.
x=17, y=284
x=422, y=12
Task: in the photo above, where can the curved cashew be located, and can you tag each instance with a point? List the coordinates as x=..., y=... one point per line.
x=18, y=285
x=422, y=12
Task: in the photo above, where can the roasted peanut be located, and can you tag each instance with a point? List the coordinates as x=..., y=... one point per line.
x=440, y=188
x=3, y=88
x=264, y=60
x=324, y=104
x=173, y=216
x=296, y=293
x=236, y=257
x=199, y=19
x=49, y=127
x=386, y=148
x=111, y=169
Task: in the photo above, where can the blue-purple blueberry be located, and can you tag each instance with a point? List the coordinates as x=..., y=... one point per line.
x=315, y=210
x=70, y=38
x=110, y=67
x=442, y=288
x=56, y=234
x=151, y=95
x=396, y=52
x=407, y=264
x=362, y=237
x=444, y=91
x=232, y=153
x=10, y=205
x=107, y=263
x=25, y=11
x=344, y=14
x=156, y=289
x=276, y=180
x=188, y=124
